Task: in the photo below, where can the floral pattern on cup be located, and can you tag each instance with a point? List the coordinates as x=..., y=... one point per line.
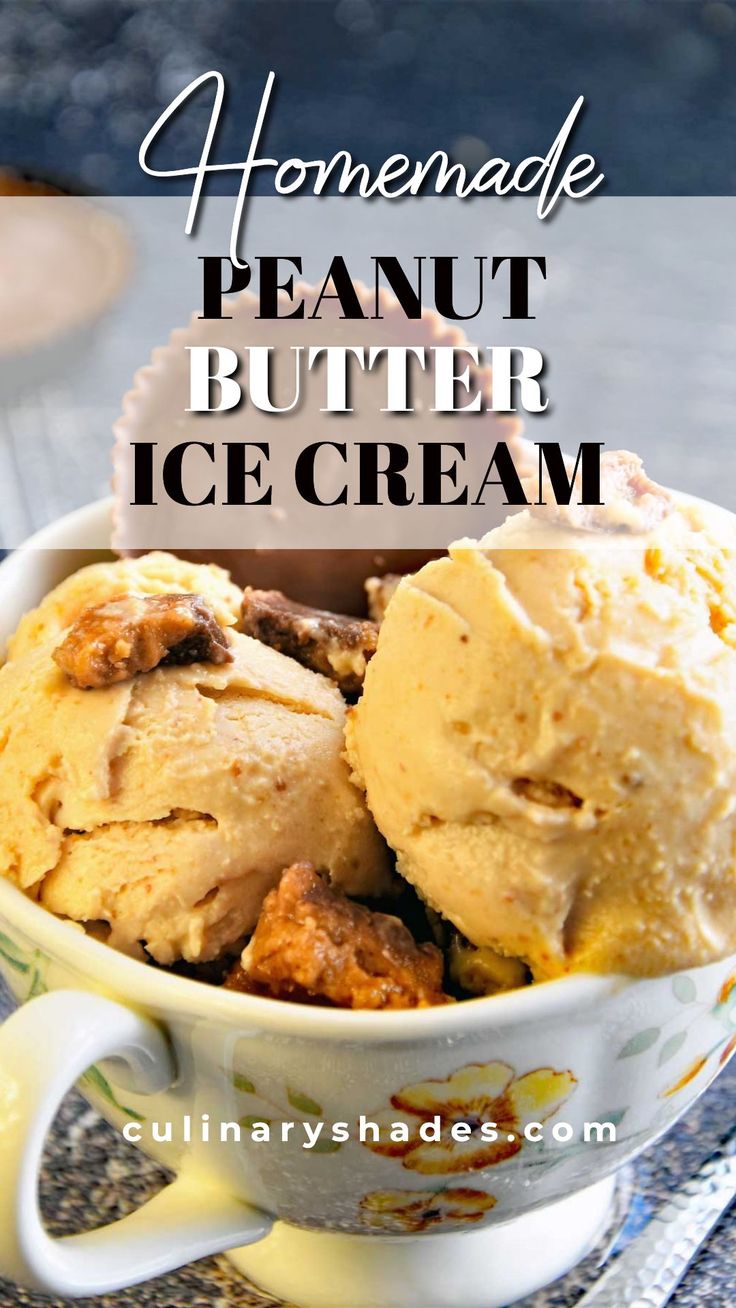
x=299, y=1103
x=476, y=1094
x=31, y=965
x=666, y=1043
x=412, y=1211
x=724, y=1010
x=97, y=1083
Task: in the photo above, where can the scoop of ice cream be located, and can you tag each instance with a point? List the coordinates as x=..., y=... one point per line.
x=156, y=573
x=547, y=737
x=166, y=806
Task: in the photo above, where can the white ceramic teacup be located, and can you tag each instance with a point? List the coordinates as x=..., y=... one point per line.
x=422, y=1225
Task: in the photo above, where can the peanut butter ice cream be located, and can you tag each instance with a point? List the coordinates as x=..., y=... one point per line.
x=160, y=809
x=547, y=737
x=156, y=573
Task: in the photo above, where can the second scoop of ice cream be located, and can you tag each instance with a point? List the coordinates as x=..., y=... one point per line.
x=547, y=737
x=165, y=807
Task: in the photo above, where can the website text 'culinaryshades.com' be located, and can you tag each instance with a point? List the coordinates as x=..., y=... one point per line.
x=324, y=1137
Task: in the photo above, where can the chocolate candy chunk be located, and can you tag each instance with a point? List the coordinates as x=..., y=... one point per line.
x=331, y=643
x=313, y=945
x=128, y=635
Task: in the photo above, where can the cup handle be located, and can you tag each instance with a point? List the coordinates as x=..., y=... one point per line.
x=44, y=1048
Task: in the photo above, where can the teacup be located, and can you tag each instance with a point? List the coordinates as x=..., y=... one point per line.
x=372, y=1224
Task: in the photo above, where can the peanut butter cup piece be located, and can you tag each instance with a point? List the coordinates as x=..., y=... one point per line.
x=313, y=945
x=334, y=644
x=130, y=634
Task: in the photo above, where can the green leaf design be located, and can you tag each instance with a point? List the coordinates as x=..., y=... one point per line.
x=639, y=1043
x=37, y=986
x=95, y=1078
x=250, y=1122
x=130, y=1112
x=9, y=945
x=303, y=1103
x=242, y=1083
x=671, y=1047
x=13, y=961
x=615, y=1117
x=325, y=1147
x=683, y=988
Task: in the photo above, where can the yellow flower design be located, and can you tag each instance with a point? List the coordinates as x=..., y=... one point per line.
x=479, y=1094
x=417, y=1210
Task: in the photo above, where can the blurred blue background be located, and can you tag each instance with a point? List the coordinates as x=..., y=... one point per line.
x=82, y=80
